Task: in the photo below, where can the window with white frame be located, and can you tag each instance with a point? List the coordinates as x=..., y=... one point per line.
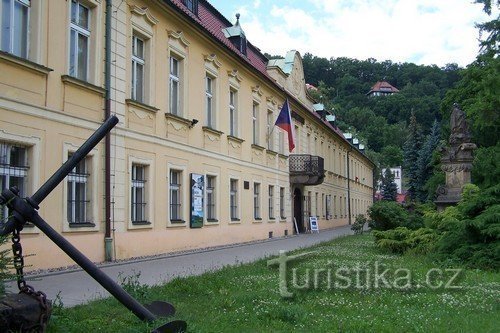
x=270, y=137
x=281, y=138
x=233, y=112
x=328, y=204
x=13, y=171
x=15, y=26
x=79, y=42
x=191, y=5
x=316, y=204
x=175, y=195
x=79, y=195
x=211, y=198
x=256, y=201
x=282, y=203
x=271, y=202
x=209, y=100
x=255, y=123
x=174, y=85
x=138, y=198
x=138, y=69
x=233, y=199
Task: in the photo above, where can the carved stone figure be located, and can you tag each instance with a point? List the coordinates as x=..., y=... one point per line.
x=456, y=160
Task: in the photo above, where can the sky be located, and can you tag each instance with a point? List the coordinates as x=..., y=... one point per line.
x=419, y=31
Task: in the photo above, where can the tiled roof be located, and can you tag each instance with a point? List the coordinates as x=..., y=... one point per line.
x=383, y=87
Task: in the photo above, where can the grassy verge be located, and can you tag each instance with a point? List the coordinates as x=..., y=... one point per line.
x=247, y=298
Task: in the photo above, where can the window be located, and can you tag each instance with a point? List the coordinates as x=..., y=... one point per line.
x=255, y=123
x=79, y=204
x=192, y=5
x=79, y=40
x=270, y=137
x=271, y=202
x=282, y=202
x=233, y=202
x=13, y=171
x=138, y=200
x=316, y=204
x=256, y=201
x=328, y=204
x=211, y=198
x=233, y=130
x=174, y=86
x=138, y=66
x=175, y=195
x=209, y=97
x=281, y=138
x=15, y=26
x=323, y=202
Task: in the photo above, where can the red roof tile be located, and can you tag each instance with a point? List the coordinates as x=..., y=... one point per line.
x=383, y=87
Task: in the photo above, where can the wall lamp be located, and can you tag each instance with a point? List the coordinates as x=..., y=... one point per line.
x=193, y=122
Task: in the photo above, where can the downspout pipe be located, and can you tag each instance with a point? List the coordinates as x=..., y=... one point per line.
x=108, y=253
x=349, y=186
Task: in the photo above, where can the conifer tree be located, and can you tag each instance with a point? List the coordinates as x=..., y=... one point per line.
x=424, y=162
x=389, y=187
x=411, y=151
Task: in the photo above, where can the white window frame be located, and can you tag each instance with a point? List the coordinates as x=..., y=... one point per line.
x=271, y=202
x=135, y=184
x=13, y=25
x=83, y=31
x=256, y=201
x=209, y=100
x=255, y=123
x=270, y=125
x=213, y=191
x=174, y=80
x=175, y=191
x=234, y=192
x=233, y=112
x=138, y=61
x=79, y=177
x=282, y=203
x=8, y=171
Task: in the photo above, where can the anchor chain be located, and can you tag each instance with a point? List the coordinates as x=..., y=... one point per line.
x=25, y=288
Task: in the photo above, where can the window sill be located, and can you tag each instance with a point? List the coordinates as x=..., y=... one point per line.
x=211, y=130
x=272, y=152
x=235, y=139
x=283, y=155
x=258, y=219
x=255, y=146
x=81, y=225
x=235, y=221
x=82, y=84
x=141, y=105
x=283, y=219
x=177, y=221
x=141, y=223
x=212, y=221
x=25, y=63
x=184, y=121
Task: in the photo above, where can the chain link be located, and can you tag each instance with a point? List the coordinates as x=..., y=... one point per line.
x=17, y=249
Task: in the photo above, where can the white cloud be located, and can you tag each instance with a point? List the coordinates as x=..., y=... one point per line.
x=425, y=31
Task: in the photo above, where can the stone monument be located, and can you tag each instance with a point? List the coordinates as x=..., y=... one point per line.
x=456, y=160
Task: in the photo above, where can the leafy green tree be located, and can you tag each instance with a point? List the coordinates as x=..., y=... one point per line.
x=391, y=156
x=424, y=161
x=486, y=166
x=411, y=149
x=389, y=187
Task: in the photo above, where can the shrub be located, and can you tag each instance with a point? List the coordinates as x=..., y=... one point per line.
x=401, y=240
x=385, y=215
x=359, y=224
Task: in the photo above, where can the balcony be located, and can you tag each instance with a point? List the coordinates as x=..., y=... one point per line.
x=306, y=169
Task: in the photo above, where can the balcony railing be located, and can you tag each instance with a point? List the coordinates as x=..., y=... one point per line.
x=306, y=169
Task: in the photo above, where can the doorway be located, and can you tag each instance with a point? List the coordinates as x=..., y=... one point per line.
x=297, y=209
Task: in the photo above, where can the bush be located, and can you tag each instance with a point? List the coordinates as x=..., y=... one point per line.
x=401, y=240
x=359, y=224
x=385, y=215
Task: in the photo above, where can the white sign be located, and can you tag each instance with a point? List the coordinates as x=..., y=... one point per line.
x=313, y=222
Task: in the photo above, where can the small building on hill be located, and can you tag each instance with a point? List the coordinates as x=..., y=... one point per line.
x=382, y=88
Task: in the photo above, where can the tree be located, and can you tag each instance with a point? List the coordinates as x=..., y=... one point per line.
x=424, y=162
x=389, y=187
x=411, y=150
x=391, y=156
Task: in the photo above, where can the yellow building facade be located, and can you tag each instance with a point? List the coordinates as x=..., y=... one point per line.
x=197, y=104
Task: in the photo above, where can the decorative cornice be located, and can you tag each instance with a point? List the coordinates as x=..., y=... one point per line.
x=234, y=74
x=212, y=58
x=257, y=90
x=144, y=11
x=271, y=100
x=179, y=35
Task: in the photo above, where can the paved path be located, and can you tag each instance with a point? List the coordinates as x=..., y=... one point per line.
x=77, y=287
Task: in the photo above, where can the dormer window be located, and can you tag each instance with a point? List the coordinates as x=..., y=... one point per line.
x=191, y=5
x=236, y=35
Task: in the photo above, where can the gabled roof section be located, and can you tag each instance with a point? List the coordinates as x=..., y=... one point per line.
x=383, y=87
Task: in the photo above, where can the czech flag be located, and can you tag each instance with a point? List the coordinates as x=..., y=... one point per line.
x=284, y=121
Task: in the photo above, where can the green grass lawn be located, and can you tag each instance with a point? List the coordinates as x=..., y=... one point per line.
x=247, y=298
